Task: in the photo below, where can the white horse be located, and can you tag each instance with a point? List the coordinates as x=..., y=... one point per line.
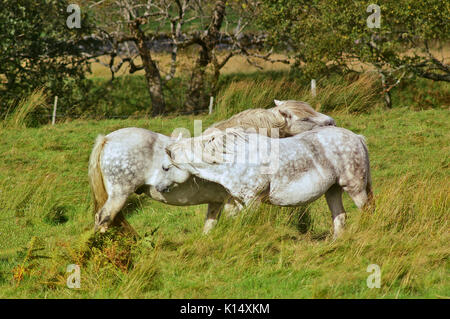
x=133, y=160
x=324, y=160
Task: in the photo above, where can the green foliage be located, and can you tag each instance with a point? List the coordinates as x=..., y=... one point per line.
x=127, y=95
x=422, y=94
x=39, y=50
x=326, y=35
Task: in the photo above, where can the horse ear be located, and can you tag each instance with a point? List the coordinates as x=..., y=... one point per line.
x=277, y=102
x=180, y=136
x=168, y=152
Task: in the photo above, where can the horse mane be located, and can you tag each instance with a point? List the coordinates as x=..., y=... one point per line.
x=253, y=119
x=267, y=118
x=298, y=108
x=216, y=145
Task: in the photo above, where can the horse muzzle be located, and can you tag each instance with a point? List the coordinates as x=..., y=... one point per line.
x=100, y=228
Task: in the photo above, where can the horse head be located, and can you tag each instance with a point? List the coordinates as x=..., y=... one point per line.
x=168, y=175
x=300, y=117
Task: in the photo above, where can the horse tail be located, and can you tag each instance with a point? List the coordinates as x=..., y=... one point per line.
x=370, y=201
x=95, y=174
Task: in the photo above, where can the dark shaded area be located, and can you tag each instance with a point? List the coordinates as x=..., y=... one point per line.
x=132, y=204
x=57, y=215
x=304, y=222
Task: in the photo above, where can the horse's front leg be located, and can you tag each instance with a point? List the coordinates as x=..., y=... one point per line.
x=212, y=215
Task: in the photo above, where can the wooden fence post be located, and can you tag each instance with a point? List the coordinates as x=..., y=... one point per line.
x=54, y=110
x=313, y=88
x=211, y=101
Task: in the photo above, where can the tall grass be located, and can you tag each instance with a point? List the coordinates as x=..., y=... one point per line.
x=23, y=108
x=347, y=95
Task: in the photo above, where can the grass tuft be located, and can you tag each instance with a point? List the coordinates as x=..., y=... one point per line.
x=20, y=117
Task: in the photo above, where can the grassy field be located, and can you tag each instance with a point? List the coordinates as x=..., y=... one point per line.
x=46, y=218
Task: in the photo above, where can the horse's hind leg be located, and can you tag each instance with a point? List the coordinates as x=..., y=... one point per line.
x=334, y=201
x=106, y=215
x=212, y=215
x=369, y=206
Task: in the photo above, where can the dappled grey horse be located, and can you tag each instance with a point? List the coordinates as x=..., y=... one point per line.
x=291, y=171
x=131, y=160
x=134, y=160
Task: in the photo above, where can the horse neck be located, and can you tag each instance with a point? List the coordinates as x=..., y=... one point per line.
x=216, y=173
x=165, y=139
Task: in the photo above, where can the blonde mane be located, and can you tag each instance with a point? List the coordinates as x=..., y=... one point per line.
x=212, y=147
x=253, y=119
x=267, y=118
x=220, y=144
x=298, y=108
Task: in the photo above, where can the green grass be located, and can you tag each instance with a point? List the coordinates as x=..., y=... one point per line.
x=46, y=224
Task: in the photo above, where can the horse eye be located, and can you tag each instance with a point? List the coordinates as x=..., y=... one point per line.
x=165, y=168
x=305, y=119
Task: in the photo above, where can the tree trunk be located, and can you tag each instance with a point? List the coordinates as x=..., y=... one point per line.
x=197, y=96
x=386, y=93
x=152, y=75
x=155, y=86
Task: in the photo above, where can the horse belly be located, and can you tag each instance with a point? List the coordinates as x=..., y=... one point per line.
x=175, y=197
x=305, y=189
x=191, y=193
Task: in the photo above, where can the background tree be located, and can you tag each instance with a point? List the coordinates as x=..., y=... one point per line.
x=229, y=23
x=38, y=49
x=132, y=28
x=333, y=35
